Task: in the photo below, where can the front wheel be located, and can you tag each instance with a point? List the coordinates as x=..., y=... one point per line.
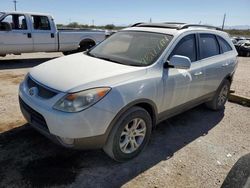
x=221, y=96
x=130, y=135
x=247, y=54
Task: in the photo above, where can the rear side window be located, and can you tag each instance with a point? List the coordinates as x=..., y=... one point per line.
x=186, y=47
x=41, y=23
x=225, y=47
x=208, y=46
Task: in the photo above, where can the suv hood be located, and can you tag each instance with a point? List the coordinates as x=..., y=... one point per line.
x=78, y=72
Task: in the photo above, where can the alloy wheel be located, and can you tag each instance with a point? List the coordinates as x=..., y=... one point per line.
x=132, y=135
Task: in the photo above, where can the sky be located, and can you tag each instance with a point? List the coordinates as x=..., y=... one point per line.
x=126, y=12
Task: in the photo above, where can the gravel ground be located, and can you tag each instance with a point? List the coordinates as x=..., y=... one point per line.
x=241, y=81
x=194, y=149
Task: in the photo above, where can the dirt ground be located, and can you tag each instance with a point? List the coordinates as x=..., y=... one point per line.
x=194, y=149
x=241, y=81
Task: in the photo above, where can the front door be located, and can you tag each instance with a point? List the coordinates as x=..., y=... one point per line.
x=19, y=39
x=184, y=85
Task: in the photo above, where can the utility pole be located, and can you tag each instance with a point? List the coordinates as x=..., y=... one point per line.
x=150, y=20
x=223, y=23
x=93, y=22
x=15, y=2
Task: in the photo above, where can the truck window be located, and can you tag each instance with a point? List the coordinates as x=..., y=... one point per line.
x=40, y=22
x=17, y=22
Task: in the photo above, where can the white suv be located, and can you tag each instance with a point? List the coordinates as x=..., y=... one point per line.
x=112, y=96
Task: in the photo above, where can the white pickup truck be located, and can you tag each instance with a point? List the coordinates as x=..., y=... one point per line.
x=22, y=32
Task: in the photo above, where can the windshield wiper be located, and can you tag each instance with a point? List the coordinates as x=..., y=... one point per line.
x=108, y=59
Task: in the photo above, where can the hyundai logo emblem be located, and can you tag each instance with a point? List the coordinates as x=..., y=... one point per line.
x=33, y=91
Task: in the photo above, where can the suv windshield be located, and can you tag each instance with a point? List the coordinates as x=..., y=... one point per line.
x=132, y=47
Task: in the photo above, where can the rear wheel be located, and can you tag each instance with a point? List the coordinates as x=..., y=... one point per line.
x=221, y=96
x=86, y=44
x=66, y=53
x=130, y=135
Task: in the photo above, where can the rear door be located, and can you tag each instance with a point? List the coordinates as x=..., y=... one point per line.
x=212, y=61
x=18, y=40
x=43, y=34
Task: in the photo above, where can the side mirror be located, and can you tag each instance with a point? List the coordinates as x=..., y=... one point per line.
x=180, y=62
x=5, y=26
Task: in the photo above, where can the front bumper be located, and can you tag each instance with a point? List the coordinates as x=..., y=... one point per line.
x=86, y=129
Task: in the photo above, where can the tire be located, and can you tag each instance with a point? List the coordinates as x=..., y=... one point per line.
x=121, y=140
x=66, y=53
x=221, y=96
x=247, y=54
x=85, y=45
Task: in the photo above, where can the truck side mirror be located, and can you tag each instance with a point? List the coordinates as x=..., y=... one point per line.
x=180, y=62
x=5, y=26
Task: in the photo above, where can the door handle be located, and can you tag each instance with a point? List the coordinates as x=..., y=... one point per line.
x=28, y=35
x=225, y=64
x=198, y=73
x=52, y=35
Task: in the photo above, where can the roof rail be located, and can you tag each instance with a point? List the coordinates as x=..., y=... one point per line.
x=174, y=25
x=185, y=26
x=158, y=25
x=136, y=24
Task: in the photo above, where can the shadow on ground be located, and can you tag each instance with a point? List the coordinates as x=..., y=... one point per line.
x=21, y=63
x=28, y=159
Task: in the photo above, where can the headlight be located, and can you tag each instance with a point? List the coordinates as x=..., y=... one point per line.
x=79, y=101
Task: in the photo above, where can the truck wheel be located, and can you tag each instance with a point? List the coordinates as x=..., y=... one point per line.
x=130, y=135
x=221, y=96
x=66, y=53
x=247, y=54
x=86, y=44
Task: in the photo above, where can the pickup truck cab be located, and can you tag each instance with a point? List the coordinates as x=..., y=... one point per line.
x=35, y=32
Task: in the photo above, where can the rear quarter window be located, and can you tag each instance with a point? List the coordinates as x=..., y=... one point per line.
x=225, y=47
x=208, y=46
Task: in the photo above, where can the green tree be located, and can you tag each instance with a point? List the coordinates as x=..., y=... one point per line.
x=73, y=25
x=110, y=26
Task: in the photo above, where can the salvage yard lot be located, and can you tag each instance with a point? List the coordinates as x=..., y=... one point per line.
x=194, y=149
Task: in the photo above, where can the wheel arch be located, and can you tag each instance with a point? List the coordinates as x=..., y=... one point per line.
x=229, y=77
x=146, y=104
x=87, y=39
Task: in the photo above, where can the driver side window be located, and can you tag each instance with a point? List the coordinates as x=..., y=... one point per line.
x=186, y=47
x=17, y=22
